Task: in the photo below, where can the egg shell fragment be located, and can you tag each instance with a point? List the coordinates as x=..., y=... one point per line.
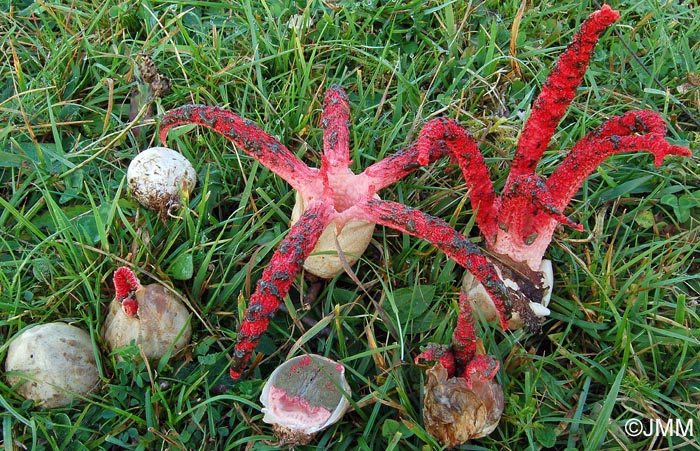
x=303, y=396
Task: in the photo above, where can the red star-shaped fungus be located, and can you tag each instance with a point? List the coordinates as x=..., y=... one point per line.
x=334, y=195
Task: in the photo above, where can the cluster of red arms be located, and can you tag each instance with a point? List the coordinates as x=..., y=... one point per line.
x=518, y=224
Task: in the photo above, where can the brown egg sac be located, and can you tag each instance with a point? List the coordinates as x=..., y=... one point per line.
x=161, y=322
x=454, y=413
x=53, y=364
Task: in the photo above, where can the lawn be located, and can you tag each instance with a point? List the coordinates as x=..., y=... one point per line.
x=622, y=342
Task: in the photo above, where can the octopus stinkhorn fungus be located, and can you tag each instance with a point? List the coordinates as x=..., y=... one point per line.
x=518, y=225
x=459, y=409
x=158, y=176
x=52, y=364
x=303, y=396
x=333, y=194
x=150, y=317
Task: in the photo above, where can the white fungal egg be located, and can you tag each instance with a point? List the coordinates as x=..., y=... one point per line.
x=52, y=364
x=325, y=261
x=157, y=176
x=162, y=323
x=303, y=396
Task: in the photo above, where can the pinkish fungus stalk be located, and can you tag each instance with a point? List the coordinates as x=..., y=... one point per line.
x=334, y=195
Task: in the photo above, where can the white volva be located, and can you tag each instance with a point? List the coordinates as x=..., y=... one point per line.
x=52, y=363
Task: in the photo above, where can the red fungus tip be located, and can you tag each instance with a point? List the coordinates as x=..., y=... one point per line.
x=558, y=92
x=608, y=14
x=440, y=354
x=485, y=367
x=130, y=306
x=125, y=283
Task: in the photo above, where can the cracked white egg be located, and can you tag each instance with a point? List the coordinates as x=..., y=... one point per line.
x=158, y=176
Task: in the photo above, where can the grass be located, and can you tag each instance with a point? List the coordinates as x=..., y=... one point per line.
x=622, y=342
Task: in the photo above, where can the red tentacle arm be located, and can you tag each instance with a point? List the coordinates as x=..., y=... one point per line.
x=394, y=167
x=464, y=338
x=439, y=353
x=485, y=367
x=276, y=280
x=457, y=247
x=335, y=121
x=433, y=143
x=558, y=91
x=427, y=150
x=247, y=136
x=438, y=232
x=635, y=131
x=462, y=148
x=335, y=159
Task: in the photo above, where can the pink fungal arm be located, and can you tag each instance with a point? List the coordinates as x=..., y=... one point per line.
x=438, y=232
x=558, y=91
x=336, y=135
x=276, y=280
x=247, y=136
x=465, y=337
x=394, y=167
x=462, y=148
x=439, y=353
x=635, y=131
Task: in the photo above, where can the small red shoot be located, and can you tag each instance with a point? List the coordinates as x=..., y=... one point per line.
x=125, y=284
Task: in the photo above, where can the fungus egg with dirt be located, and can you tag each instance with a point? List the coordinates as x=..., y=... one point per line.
x=149, y=316
x=53, y=364
x=158, y=177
